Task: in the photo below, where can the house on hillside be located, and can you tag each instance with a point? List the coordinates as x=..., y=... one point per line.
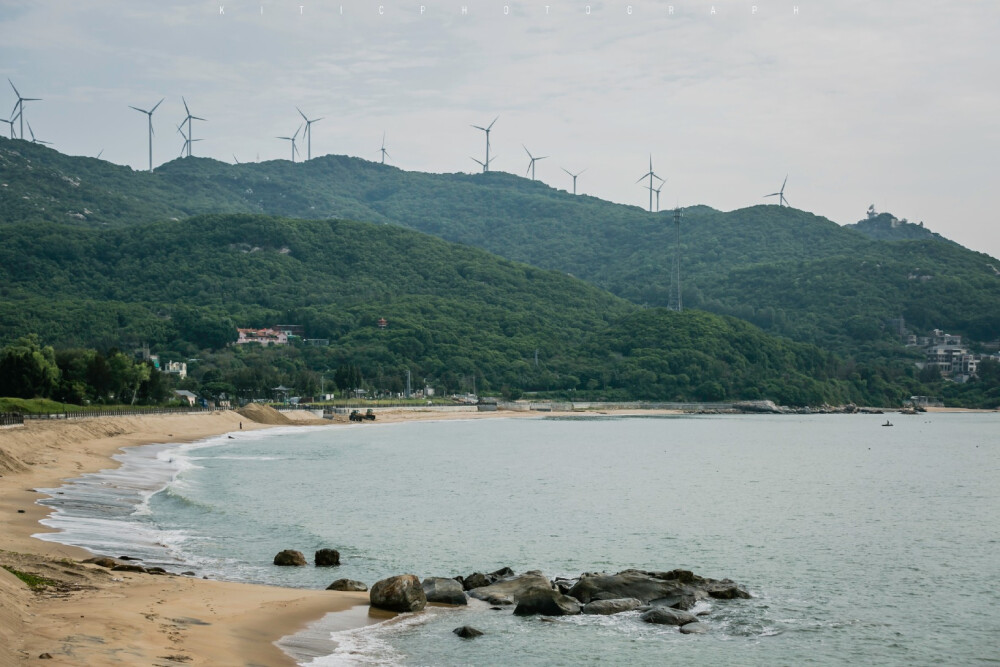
x=185, y=396
x=178, y=368
x=265, y=336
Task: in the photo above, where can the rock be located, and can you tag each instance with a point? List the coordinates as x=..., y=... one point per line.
x=288, y=557
x=347, y=585
x=189, y=573
x=400, y=593
x=128, y=567
x=327, y=558
x=628, y=584
x=564, y=586
x=475, y=580
x=155, y=570
x=444, y=591
x=508, y=591
x=45, y=656
x=103, y=561
x=467, y=632
x=682, y=597
x=608, y=607
x=694, y=629
x=726, y=590
x=668, y=616
x=546, y=601
x=478, y=579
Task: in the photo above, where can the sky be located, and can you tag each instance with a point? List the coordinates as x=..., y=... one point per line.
x=894, y=103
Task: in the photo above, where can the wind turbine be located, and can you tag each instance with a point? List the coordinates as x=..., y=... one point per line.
x=99, y=154
x=188, y=120
x=573, y=176
x=236, y=159
x=308, y=133
x=651, y=175
x=11, y=123
x=657, y=191
x=19, y=107
x=187, y=139
x=383, y=150
x=780, y=194
x=531, y=165
x=486, y=164
x=292, y=139
x=36, y=141
x=151, y=133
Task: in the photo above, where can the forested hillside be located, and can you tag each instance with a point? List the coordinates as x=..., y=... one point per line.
x=454, y=313
x=788, y=271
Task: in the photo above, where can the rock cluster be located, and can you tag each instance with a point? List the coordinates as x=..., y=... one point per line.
x=661, y=597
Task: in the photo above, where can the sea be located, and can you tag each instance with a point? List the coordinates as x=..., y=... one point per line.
x=860, y=543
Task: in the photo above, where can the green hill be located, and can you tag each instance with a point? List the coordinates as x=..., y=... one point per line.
x=788, y=271
x=453, y=312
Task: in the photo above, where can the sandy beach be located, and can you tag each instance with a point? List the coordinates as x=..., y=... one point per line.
x=94, y=616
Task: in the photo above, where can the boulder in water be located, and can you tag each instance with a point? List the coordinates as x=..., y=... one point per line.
x=608, y=607
x=347, y=585
x=546, y=601
x=327, y=558
x=401, y=593
x=668, y=616
x=694, y=629
x=444, y=591
x=468, y=632
x=289, y=557
x=509, y=591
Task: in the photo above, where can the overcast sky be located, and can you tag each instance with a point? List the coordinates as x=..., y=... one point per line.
x=893, y=103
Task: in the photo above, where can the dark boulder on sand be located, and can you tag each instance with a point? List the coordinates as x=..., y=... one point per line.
x=608, y=607
x=668, y=616
x=467, y=632
x=546, y=601
x=510, y=590
x=327, y=558
x=400, y=593
x=103, y=561
x=288, y=557
x=347, y=585
x=444, y=591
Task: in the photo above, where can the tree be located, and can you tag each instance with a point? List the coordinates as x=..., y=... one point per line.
x=28, y=370
x=126, y=376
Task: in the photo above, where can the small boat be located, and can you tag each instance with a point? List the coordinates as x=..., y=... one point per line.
x=887, y=423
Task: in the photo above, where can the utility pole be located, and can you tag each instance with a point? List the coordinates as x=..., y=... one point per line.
x=675, y=273
x=408, y=392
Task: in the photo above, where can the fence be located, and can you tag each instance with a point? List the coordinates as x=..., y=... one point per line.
x=11, y=419
x=112, y=412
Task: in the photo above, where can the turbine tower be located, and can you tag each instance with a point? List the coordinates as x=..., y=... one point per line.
x=657, y=191
x=149, y=114
x=308, y=133
x=188, y=119
x=650, y=175
x=19, y=108
x=11, y=123
x=384, y=152
x=486, y=164
x=573, y=176
x=292, y=139
x=531, y=165
x=674, y=300
x=780, y=194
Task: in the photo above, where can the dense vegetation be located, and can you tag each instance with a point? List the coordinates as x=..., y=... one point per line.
x=458, y=318
x=774, y=266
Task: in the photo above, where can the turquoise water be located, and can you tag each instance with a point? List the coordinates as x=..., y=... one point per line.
x=859, y=543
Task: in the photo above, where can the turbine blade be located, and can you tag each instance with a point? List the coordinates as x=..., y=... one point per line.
x=493, y=123
x=773, y=194
x=479, y=128
x=31, y=99
x=197, y=118
x=527, y=151
x=302, y=114
x=566, y=170
x=541, y=158
x=138, y=109
x=186, y=110
x=297, y=132
x=157, y=104
x=15, y=88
